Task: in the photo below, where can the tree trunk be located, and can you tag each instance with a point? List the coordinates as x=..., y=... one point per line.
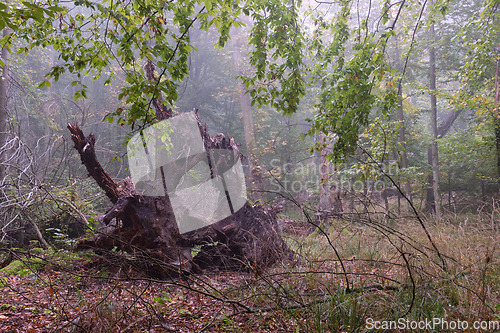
x=442, y=130
x=401, y=118
x=248, y=126
x=148, y=230
x=3, y=106
x=434, y=129
x=497, y=119
x=330, y=199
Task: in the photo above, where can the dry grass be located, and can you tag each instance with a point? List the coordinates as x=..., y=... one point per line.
x=393, y=270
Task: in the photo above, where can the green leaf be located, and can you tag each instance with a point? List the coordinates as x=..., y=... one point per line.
x=38, y=14
x=208, y=5
x=44, y=83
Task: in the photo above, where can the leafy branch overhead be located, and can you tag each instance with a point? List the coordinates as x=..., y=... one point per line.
x=92, y=37
x=338, y=52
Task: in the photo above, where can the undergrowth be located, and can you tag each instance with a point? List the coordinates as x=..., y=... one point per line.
x=345, y=274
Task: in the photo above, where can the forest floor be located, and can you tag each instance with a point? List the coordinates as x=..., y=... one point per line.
x=55, y=301
x=341, y=276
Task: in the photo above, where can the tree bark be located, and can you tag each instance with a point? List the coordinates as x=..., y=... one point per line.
x=330, y=198
x=442, y=130
x=434, y=129
x=3, y=106
x=401, y=118
x=248, y=127
x=497, y=119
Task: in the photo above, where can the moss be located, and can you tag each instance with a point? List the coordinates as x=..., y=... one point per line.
x=37, y=250
x=20, y=267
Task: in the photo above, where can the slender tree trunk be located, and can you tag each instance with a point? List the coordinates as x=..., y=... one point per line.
x=434, y=129
x=442, y=130
x=324, y=195
x=39, y=234
x=497, y=120
x=249, y=129
x=253, y=160
x=3, y=106
x=401, y=119
x=402, y=139
x=330, y=201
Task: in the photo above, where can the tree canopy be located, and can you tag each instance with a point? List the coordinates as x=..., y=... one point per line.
x=340, y=48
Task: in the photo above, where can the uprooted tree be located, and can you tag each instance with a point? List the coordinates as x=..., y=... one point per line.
x=147, y=227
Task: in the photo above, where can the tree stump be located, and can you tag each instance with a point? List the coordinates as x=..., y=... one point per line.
x=148, y=232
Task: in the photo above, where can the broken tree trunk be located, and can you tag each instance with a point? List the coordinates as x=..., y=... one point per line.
x=148, y=231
